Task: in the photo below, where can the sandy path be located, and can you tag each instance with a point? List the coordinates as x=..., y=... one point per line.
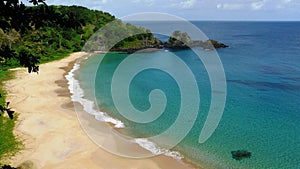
x=51, y=132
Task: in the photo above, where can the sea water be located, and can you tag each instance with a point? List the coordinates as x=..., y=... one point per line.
x=262, y=113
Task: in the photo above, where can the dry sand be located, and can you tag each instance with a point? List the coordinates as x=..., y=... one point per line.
x=50, y=130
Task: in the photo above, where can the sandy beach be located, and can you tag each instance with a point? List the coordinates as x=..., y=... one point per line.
x=49, y=128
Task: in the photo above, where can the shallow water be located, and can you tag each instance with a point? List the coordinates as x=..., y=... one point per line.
x=262, y=113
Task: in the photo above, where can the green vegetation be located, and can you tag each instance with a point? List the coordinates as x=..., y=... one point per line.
x=9, y=144
x=117, y=36
x=4, y=75
x=31, y=35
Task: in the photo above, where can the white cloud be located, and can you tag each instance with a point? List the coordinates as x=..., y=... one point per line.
x=258, y=5
x=148, y=2
x=228, y=6
x=287, y=1
x=187, y=4
x=246, y=4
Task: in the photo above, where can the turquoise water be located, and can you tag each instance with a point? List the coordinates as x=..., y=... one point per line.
x=262, y=113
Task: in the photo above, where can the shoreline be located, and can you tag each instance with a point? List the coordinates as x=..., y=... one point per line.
x=114, y=123
x=50, y=130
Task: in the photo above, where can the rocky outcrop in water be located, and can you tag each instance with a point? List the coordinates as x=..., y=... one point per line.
x=240, y=154
x=181, y=40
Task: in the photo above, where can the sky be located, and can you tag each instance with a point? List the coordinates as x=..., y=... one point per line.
x=237, y=10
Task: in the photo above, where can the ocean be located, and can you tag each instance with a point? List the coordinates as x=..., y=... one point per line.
x=262, y=110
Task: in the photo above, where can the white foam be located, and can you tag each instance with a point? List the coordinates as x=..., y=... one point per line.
x=77, y=95
x=153, y=148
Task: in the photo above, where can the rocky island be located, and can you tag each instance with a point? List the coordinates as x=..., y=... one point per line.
x=181, y=40
x=177, y=41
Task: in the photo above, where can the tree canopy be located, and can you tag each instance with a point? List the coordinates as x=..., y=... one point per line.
x=30, y=35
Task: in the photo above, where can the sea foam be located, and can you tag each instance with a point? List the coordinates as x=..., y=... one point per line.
x=154, y=149
x=77, y=95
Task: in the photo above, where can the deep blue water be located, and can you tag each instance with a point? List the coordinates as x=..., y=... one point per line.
x=262, y=113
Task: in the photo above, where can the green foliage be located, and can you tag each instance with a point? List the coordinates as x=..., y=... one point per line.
x=9, y=144
x=118, y=36
x=4, y=106
x=43, y=33
x=4, y=75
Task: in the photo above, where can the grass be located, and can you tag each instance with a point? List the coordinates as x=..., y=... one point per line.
x=9, y=144
x=55, y=56
x=4, y=75
x=14, y=63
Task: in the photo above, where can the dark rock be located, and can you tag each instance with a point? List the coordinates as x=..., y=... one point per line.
x=240, y=154
x=179, y=40
x=217, y=44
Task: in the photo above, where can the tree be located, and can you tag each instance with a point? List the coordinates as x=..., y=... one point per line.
x=12, y=37
x=2, y=38
x=14, y=19
x=36, y=2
